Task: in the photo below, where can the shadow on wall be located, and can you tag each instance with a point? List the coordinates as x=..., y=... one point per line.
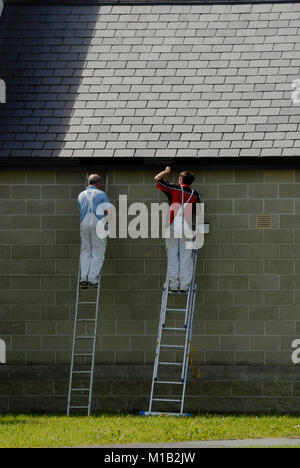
x=1, y=7
x=42, y=61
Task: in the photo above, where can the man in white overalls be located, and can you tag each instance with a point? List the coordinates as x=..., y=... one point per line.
x=182, y=200
x=93, y=206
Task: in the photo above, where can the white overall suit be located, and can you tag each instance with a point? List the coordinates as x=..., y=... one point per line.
x=92, y=247
x=180, y=263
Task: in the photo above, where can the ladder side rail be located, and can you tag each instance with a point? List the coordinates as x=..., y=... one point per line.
x=186, y=347
x=195, y=293
x=190, y=294
x=189, y=309
x=186, y=366
x=74, y=340
x=193, y=312
x=187, y=326
x=189, y=332
x=94, y=347
x=193, y=302
x=188, y=302
x=162, y=319
x=158, y=341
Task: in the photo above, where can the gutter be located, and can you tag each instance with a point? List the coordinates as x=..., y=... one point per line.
x=116, y=163
x=144, y=2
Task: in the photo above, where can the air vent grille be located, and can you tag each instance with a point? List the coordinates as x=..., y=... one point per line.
x=263, y=221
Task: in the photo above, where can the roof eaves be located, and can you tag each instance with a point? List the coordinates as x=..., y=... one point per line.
x=209, y=163
x=142, y=2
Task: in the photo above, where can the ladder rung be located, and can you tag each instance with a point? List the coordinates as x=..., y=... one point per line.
x=172, y=346
x=81, y=372
x=177, y=364
x=80, y=390
x=176, y=311
x=83, y=354
x=174, y=329
x=78, y=406
x=163, y=413
x=82, y=337
x=165, y=399
x=179, y=293
x=86, y=320
x=167, y=382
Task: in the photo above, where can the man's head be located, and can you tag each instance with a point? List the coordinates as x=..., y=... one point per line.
x=186, y=177
x=94, y=179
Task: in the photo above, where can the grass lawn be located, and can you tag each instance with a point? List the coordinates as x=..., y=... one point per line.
x=60, y=431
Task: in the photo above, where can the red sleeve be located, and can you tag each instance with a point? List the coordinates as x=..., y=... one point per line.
x=164, y=186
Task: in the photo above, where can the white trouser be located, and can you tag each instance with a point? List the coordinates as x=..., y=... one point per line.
x=92, y=249
x=180, y=263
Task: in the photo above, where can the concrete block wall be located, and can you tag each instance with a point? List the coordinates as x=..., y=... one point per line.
x=238, y=389
x=247, y=304
x=248, y=297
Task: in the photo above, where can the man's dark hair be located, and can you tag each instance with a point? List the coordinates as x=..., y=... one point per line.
x=187, y=177
x=94, y=179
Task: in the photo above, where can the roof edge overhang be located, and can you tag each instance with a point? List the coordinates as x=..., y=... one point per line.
x=59, y=163
x=143, y=2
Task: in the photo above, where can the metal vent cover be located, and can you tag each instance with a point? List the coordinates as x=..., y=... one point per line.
x=263, y=221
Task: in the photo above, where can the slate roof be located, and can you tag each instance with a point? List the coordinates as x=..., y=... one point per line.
x=150, y=81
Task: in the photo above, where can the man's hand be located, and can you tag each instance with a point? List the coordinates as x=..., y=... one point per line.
x=162, y=174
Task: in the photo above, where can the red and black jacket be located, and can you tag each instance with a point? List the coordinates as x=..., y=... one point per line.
x=174, y=193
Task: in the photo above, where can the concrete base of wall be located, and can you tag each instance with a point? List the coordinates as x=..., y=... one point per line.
x=126, y=388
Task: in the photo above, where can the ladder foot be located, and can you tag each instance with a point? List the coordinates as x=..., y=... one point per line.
x=161, y=413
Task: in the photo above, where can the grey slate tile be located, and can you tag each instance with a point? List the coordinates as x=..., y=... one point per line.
x=91, y=75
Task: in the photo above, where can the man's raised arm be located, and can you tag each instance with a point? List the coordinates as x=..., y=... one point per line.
x=163, y=173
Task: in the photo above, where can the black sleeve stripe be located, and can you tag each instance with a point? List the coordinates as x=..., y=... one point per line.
x=168, y=185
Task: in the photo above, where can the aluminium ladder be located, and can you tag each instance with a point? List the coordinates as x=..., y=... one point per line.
x=186, y=334
x=86, y=392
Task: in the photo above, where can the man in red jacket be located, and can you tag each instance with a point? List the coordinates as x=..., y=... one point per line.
x=180, y=197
